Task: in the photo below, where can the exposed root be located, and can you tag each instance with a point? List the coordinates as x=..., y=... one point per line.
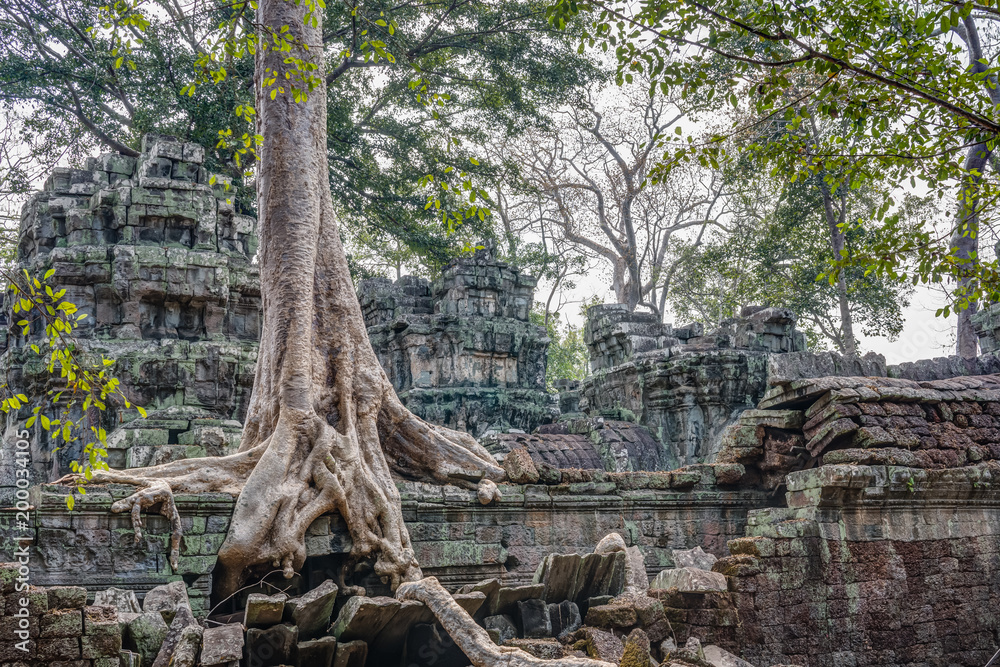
x=473, y=640
x=157, y=492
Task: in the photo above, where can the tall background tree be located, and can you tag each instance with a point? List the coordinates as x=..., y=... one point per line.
x=916, y=83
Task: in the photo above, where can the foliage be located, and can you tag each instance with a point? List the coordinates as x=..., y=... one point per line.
x=567, y=357
x=777, y=257
x=914, y=84
x=86, y=380
x=413, y=90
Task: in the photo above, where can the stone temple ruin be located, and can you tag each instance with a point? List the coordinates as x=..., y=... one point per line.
x=704, y=498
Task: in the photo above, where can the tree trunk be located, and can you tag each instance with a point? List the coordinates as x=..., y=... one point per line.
x=849, y=345
x=324, y=425
x=965, y=245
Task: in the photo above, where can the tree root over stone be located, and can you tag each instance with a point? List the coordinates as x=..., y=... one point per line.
x=473, y=640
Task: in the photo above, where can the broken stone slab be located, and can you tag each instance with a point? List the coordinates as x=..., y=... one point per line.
x=564, y=617
x=311, y=612
x=389, y=644
x=544, y=649
x=129, y=659
x=535, y=621
x=351, y=654
x=264, y=610
x=614, y=615
x=183, y=619
x=186, y=653
x=696, y=558
x=318, y=652
x=636, y=651
x=720, y=657
x=488, y=587
x=222, y=645
x=558, y=573
x=470, y=602
x=600, y=574
x=167, y=599
x=122, y=600
x=506, y=598
x=601, y=645
x=273, y=646
x=690, y=580
x=145, y=633
x=503, y=625
x=362, y=618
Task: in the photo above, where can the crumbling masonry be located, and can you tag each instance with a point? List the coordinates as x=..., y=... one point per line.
x=706, y=497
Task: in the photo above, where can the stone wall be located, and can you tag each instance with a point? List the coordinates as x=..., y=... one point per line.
x=160, y=262
x=57, y=626
x=868, y=565
x=455, y=537
x=461, y=352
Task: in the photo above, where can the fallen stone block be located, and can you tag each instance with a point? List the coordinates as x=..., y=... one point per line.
x=264, y=610
x=145, y=634
x=66, y=597
x=122, y=600
x=690, y=580
x=506, y=599
x=564, y=617
x=696, y=558
x=503, y=625
x=222, y=645
x=720, y=657
x=362, y=618
x=167, y=599
x=273, y=646
x=545, y=649
x=311, y=612
x=535, y=621
x=351, y=654
x=613, y=615
x=318, y=652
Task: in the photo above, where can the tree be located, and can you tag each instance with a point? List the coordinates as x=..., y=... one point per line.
x=479, y=65
x=324, y=425
x=567, y=357
x=915, y=82
x=774, y=248
x=588, y=179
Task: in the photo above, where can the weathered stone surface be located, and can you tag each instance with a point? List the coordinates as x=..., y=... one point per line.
x=614, y=615
x=504, y=626
x=362, y=618
x=264, y=610
x=535, y=621
x=546, y=649
x=273, y=646
x=601, y=644
x=519, y=467
x=689, y=580
x=318, y=652
x=145, y=634
x=222, y=644
x=167, y=600
x=719, y=657
x=311, y=612
x=564, y=617
x=636, y=651
x=696, y=558
x=351, y=654
x=176, y=634
x=124, y=601
x=66, y=597
x=461, y=351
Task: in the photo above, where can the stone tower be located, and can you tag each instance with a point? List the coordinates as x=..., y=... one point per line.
x=160, y=262
x=461, y=352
